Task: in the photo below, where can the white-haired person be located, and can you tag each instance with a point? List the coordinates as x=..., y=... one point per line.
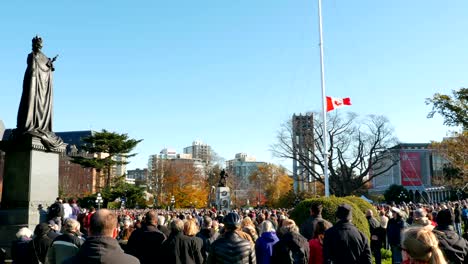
x=20, y=251
x=420, y=246
x=266, y=241
x=67, y=244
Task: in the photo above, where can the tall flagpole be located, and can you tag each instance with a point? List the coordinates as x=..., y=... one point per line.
x=324, y=105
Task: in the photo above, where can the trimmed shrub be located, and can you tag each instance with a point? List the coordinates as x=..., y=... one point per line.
x=362, y=204
x=113, y=205
x=330, y=204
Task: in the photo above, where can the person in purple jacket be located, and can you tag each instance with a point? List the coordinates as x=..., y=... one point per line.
x=264, y=244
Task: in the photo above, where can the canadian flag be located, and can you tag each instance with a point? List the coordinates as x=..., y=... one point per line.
x=333, y=103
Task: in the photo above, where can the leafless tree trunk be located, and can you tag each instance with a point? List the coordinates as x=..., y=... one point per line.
x=357, y=149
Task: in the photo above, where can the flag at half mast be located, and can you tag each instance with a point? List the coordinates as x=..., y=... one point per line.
x=334, y=103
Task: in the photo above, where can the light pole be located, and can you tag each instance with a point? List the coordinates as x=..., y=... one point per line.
x=99, y=200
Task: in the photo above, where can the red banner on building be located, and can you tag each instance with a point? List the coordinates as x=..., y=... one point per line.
x=410, y=164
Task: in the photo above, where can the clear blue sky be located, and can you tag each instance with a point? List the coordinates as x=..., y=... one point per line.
x=230, y=72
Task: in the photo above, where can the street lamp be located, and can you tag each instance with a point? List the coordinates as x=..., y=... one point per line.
x=99, y=200
x=172, y=202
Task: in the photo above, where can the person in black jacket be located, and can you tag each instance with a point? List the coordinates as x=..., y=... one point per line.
x=376, y=236
x=344, y=243
x=208, y=236
x=40, y=243
x=307, y=228
x=101, y=246
x=394, y=229
x=454, y=247
x=230, y=248
x=292, y=247
x=67, y=244
x=179, y=248
x=146, y=243
x=458, y=218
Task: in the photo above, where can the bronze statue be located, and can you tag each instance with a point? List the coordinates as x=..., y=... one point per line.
x=222, y=180
x=35, y=110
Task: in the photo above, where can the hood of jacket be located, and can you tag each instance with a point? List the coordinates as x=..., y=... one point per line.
x=269, y=237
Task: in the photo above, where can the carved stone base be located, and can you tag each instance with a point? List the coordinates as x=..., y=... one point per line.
x=223, y=198
x=30, y=179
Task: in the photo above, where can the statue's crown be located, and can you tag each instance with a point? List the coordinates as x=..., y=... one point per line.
x=37, y=39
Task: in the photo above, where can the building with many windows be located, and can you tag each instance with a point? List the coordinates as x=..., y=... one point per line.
x=417, y=168
x=74, y=180
x=199, y=150
x=242, y=167
x=137, y=176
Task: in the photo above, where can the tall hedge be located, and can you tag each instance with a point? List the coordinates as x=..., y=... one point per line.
x=362, y=204
x=301, y=212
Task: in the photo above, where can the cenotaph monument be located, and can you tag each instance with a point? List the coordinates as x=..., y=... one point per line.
x=223, y=195
x=32, y=151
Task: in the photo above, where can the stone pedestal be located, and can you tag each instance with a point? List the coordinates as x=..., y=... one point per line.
x=30, y=178
x=223, y=198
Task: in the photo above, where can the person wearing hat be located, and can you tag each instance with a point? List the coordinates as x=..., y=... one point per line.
x=344, y=243
x=394, y=228
x=454, y=246
x=67, y=244
x=420, y=219
x=230, y=247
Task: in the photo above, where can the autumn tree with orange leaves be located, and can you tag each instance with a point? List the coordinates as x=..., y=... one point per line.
x=268, y=184
x=179, y=178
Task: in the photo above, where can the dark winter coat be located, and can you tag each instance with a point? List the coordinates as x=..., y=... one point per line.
x=208, y=236
x=394, y=229
x=64, y=247
x=344, y=243
x=291, y=248
x=40, y=248
x=230, y=248
x=181, y=249
x=101, y=250
x=457, y=213
x=454, y=247
x=146, y=243
x=376, y=233
x=164, y=230
x=308, y=227
x=264, y=247
x=20, y=251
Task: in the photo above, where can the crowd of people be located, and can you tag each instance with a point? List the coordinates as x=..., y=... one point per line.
x=415, y=234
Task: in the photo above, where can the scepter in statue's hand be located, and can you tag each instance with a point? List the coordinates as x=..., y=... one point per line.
x=51, y=62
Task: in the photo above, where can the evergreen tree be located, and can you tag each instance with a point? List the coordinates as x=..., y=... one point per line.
x=106, y=147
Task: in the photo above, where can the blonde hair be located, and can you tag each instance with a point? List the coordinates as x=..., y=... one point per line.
x=289, y=226
x=190, y=228
x=71, y=225
x=421, y=244
x=247, y=221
